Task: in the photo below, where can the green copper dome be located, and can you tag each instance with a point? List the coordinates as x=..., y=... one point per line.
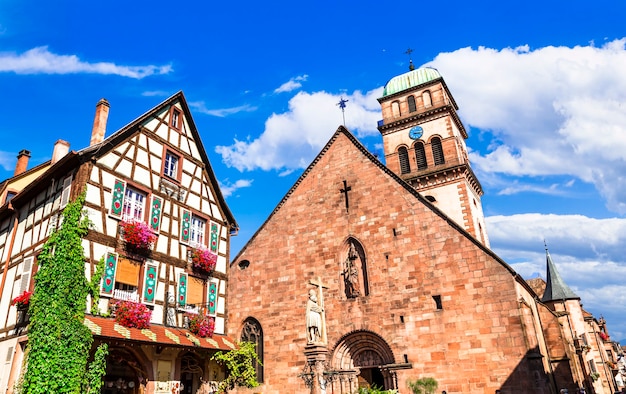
x=410, y=79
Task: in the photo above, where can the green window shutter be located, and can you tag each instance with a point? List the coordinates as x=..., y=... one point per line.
x=156, y=208
x=212, y=297
x=185, y=223
x=182, y=289
x=149, y=284
x=214, y=234
x=108, y=281
x=117, y=199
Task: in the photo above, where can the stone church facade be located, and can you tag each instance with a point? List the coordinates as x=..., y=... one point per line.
x=368, y=274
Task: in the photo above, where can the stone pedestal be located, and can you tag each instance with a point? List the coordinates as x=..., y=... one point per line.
x=316, y=358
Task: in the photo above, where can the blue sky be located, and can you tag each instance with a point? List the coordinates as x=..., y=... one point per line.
x=541, y=87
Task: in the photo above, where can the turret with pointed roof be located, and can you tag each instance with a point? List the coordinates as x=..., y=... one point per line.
x=556, y=288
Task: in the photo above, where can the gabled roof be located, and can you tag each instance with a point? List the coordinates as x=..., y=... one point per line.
x=73, y=159
x=342, y=131
x=556, y=289
x=98, y=150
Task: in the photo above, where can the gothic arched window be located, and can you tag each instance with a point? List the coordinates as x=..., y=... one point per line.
x=252, y=332
x=411, y=101
x=437, y=151
x=420, y=156
x=403, y=156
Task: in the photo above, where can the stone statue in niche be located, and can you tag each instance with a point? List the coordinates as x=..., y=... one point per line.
x=314, y=318
x=351, y=273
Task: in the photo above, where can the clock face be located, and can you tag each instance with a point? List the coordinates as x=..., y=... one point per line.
x=416, y=132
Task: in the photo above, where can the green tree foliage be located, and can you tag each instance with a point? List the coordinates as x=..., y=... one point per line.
x=240, y=364
x=58, y=341
x=423, y=386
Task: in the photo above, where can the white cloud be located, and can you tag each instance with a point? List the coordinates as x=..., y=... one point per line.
x=547, y=111
x=292, y=84
x=587, y=252
x=7, y=160
x=41, y=61
x=200, y=106
x=292, y=139
x=156, y=93
x=228, y=188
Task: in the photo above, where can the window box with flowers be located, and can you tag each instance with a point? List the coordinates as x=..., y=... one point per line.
x=203, y=260
x=131, y=314
x=138, y=236
x=22, y=300
x=604, y=336
x=200, y=324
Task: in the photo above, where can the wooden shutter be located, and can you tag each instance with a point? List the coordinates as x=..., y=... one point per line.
x=149, y=284
x=67, y=188
x=195, y=291
x=127, y=272
x=117, y=199
x=182, y=289
x=214, y=237
x=108, y=280
x=156, y=208
x=185, y=223
x=212, y=304
x=27, y=269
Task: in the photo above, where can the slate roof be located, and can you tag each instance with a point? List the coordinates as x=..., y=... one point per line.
x=556, y=289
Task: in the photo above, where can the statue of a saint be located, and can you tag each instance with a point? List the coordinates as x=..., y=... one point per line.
x=314, y=318
x=351, y=274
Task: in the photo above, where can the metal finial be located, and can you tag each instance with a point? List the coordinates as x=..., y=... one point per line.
x=342, y=105
x=411, y=66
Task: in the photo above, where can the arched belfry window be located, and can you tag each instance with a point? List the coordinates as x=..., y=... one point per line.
x=403, y=156
x=355, y=270
x=437, y=151
x=411, y=101
x=252, y=332
x=420, y=156
x=426, y=98
x=395, y=109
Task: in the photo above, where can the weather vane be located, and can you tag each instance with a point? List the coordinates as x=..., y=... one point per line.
x=409, y=52
x=342, y=105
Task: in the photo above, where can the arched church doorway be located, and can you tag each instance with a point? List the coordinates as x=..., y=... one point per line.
x=124, y=373
x=360, y=359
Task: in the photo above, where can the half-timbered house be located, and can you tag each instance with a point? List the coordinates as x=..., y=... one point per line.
x=153, y=175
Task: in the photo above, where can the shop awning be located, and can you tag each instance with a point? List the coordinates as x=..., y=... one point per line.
x=104, y=328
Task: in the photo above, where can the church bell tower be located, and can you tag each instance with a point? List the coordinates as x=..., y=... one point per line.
x=424, y=144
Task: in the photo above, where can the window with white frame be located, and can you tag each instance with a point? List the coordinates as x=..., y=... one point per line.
x=170, y=166
x=197, y=229
x=134, y=205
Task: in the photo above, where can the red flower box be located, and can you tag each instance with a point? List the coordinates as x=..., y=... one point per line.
x=132, y=314
x=22, y=300
x=200, y=324
x=138, y=235
x=203, y=260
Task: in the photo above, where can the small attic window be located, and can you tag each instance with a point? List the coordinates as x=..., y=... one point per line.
x=243, y=264
x=430, y=198
x=437, y=299
x=175, y=118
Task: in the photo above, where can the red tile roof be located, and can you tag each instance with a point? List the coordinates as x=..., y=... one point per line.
x=158, y=335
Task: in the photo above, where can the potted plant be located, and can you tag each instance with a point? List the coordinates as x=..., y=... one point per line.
x=203, y=260
x=200, y=324
x=137, y=235
x=22, y=300
x=132, y=314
